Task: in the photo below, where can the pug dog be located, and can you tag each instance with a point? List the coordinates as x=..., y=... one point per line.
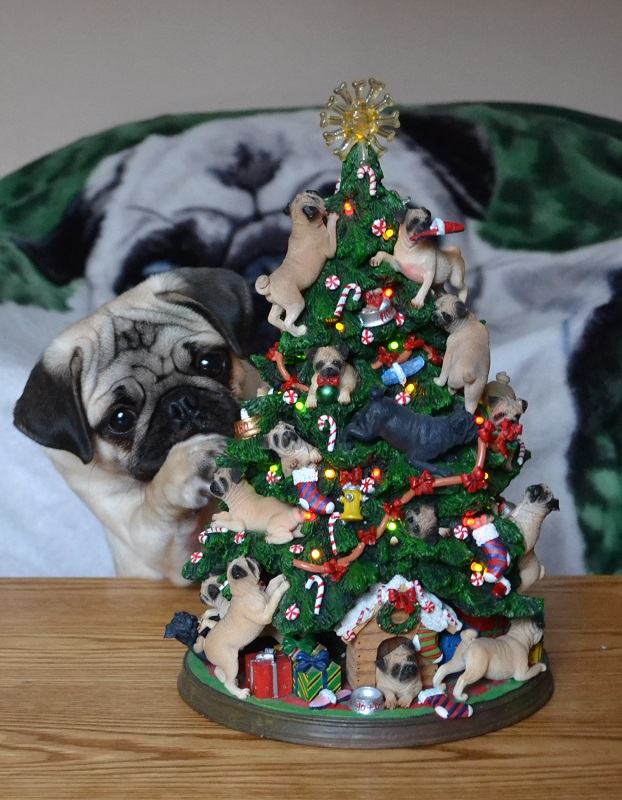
x=312, y=241
x=497, y=659
x=330, y=367
x=294, y=452
x=250, y=610
x=133, y=405
x=217, y=606
x=420, y=259
x=421, y=522
x=397, y=675
x=466, y=362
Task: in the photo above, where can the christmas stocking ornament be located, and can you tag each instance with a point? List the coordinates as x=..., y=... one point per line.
x=487, y=537
x=309, y=498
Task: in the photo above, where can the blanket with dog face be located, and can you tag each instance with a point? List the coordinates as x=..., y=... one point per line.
x=538, y=189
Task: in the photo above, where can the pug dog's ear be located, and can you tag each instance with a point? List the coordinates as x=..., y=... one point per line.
x=381, y=664
x=400, y=215
x=343, y=350
x=310, y=353
x=238, y=572
x=50, y=410
x=220, y=296
x=236, y=475
x=287, y=210
x=461, y=310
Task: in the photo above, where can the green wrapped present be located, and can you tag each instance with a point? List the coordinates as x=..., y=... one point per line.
x=315, y=671
x=292, y=644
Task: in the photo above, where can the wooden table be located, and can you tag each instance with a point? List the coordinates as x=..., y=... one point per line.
x=89, y=708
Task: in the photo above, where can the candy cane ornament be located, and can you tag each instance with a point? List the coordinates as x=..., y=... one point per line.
x=323, y=421
x=366, y=169
x=331, y=530
x=356, y=296
x=317, y=579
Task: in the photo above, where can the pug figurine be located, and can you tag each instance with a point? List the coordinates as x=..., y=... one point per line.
x=397, y=675
x=330, y=368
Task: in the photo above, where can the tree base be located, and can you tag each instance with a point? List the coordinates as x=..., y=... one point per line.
x=498, y=706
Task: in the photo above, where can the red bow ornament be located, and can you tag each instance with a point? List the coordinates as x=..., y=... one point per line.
x=422, y=484
x=386, y=358
x=367, y=537
x=393, y=510
x=353, y=476
x=335, y=570
x=271, y=354
x=487, y=431
x=332, y=381
x=403, y=601
x=412, y=343
x=475, y=481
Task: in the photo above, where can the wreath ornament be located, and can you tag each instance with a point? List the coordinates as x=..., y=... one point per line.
x=404, y=601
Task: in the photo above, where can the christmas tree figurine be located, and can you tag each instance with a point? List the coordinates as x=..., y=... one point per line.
x=357, y=435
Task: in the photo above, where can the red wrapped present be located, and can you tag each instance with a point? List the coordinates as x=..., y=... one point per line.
x=268, y=674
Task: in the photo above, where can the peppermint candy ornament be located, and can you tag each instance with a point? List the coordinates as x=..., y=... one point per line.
x=239, y=537
x=292, y=612
x=290, y=397
x=403, y=398
x=461, y=532
x=477, y=579
x=272, y=477
x=367, y=337
x=196, y=557
x=399, y=319
x=332, y=282
x=368, y=486
x=379, y=227
x=296, y=549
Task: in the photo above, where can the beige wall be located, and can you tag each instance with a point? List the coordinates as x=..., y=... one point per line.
x=72, y=67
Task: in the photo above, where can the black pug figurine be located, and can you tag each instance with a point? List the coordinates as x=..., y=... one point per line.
x=419, y=436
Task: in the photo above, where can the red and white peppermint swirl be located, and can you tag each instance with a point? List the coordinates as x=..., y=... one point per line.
x=356, y=296
x=367, y=170
x=292, y=612
x=296, y=549
x=239, y=537
x=272, y=477
x=290, y=397
x=332, y=282
x=368, y=486
x=338, y=186
x=399, y=319
x=403, y=398
x=477, y=579
x=367, y=337
x=317, y=579
x=196, y=557
x=461, y=532
x=379, y=227
x=323, y=421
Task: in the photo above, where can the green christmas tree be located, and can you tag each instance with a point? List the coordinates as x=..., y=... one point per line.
x=396, y=349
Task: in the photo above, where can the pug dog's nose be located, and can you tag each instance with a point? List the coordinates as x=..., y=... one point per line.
x=181, y=407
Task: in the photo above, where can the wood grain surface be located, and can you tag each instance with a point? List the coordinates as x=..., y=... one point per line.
x=89, y=708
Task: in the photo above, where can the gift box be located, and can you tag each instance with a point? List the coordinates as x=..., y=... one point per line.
x=315, y=671
x=268, y=674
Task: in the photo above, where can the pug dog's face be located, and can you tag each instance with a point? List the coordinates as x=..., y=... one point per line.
x=449, y=311
x=151, y=368
x=243, y=575
x=328, y=362
x=307, y=207
x=414, y=220
x=283, y=439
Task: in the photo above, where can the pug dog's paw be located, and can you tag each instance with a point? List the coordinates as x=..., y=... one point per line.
x=189, y=470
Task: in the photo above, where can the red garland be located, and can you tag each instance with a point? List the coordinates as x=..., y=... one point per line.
x=368, y=537
x=334, y=570
x=393, y=510
x=403, y=601
x=422, y=484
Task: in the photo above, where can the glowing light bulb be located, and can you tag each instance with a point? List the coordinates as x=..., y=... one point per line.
x=274, y=468
x=348, y=209
x=340, y=327
x=410, y=388
x=392, y=526
x=393, y=345
x=476, y=566
x=300, y=406
x=329, y=473
x=376, y=473
x=388, y=292
x=388, y=234
x=479, y=419
x=310, y=516
x=316, y=554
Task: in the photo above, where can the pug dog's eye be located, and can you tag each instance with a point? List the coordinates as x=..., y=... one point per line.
x=121, y=421
x=213, y=364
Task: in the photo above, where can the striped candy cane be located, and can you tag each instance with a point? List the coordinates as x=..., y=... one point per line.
x=324, y=420
x=521, y=453
x=214, y=529
x=331, y=530
x=350, y=287
x=320, y=591
x=360, y=173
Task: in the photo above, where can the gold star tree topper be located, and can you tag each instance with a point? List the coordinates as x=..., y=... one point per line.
x=360, y=119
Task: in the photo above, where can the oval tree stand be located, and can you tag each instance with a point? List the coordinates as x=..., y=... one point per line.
x=340, y=727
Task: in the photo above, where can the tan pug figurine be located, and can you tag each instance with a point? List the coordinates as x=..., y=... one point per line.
x=250, y=610
x=421, y=260
x=330, y=368
x=466, y=362
x=294, y=452
x=397, y=675
x=249, y=511
x=312, y=241
x=497, y=659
